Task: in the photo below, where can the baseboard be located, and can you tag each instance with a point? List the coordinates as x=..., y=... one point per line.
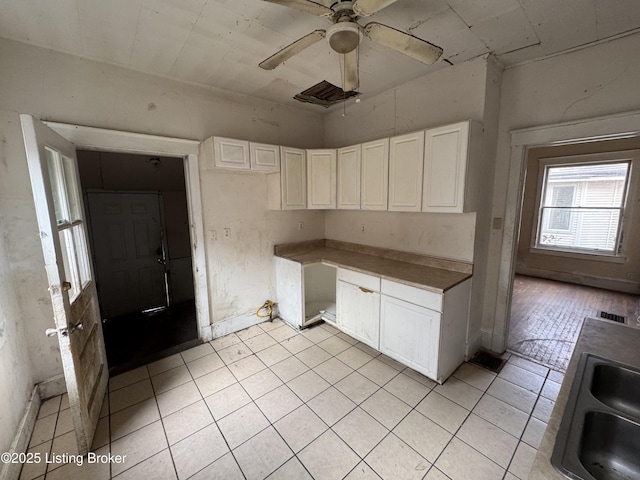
x=11, y=471
x=615, y=284
x=235, y=324
x=205, y=333
x=53, y=387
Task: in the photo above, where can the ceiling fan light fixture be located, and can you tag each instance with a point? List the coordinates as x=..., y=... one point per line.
x=344, y=37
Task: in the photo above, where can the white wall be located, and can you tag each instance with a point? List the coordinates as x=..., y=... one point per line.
x=241, y=269
x=591, y=82
x=445, y=235
x=59, y=87
x=446, y=96
x=16, y=375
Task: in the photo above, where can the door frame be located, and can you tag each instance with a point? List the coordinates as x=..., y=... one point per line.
x=92, y=138
x=610, y=127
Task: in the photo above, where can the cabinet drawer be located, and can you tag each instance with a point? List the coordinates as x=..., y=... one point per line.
x=414, y=295
x=360, y=279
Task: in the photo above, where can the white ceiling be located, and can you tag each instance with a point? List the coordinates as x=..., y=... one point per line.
x=220, y=42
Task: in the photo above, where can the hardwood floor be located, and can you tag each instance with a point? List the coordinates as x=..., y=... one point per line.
x=546, y=316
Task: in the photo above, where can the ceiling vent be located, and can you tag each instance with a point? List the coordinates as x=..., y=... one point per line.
x=324, y=94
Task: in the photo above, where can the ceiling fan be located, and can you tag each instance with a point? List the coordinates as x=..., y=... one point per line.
x=345, y=35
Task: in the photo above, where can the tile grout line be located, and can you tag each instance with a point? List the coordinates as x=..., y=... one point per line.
x=528, y=420
x=271, y=424
x=357, y=405
x=331, y=384
x=164, y=430
x=215, y=422
x=485, y=392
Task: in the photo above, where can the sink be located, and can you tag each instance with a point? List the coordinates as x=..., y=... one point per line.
x=610, y=446
x=599, y=435
x=617, y=387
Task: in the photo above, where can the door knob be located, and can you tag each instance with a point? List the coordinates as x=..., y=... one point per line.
x=50, y=332
x=75, y=326
x=66, y=286
x=72, y=327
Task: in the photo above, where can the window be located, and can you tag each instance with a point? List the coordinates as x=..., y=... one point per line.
x=562, y=196
x=68, y=210
x=581, y=206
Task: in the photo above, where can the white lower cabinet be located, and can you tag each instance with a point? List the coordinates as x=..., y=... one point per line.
x=358, y=307
x=424, y=330
x=409, y=333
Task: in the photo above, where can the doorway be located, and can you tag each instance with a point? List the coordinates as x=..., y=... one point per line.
x=565, y=283
x=139, y=233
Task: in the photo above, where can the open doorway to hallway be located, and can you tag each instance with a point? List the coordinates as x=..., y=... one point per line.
x=139, y=232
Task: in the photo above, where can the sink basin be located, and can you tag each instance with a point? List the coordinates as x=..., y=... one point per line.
x=610, y=446
x=599, y=435
x=617, y=387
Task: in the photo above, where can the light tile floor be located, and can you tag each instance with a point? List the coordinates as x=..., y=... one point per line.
x=270, y=402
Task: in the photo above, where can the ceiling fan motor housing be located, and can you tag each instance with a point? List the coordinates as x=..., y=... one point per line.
x=344, y=36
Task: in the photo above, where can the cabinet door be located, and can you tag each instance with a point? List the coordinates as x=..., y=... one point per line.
x=264, y=157
x=410, y=334
x=445, y=164
x=406, y=157
x=359, y=313
x=348, y=182
x=293, y=178
x=321, y=179
x=230, y=153
x=375, y=175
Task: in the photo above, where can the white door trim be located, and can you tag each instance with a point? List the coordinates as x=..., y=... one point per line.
x=91, y=138
x=623, y=125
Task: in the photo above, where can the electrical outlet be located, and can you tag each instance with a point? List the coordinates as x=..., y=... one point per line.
x=629, y=275
x=300, y=225
x=214, y=235
x=227, y=233
x=363, y=227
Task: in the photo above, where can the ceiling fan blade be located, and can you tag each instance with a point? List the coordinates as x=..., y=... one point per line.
x=364, y=8
x=414, y=47
x=349, y=69
x=306, y=6
x=290, y=50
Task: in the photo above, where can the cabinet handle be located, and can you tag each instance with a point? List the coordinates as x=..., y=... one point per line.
x=365, y=290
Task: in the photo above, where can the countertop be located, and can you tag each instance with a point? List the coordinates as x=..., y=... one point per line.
x=429, y=273
x=601, y=337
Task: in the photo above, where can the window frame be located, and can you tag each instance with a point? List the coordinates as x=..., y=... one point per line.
x=618, y=255
x=65, y=186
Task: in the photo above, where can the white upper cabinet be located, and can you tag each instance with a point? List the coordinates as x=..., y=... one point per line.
x=375, y=175
x=293, y=178
x=230, y=153
x=348, y=182
x=264, y=157
x=321, y=179
x=445, y=168
x=406, y=154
